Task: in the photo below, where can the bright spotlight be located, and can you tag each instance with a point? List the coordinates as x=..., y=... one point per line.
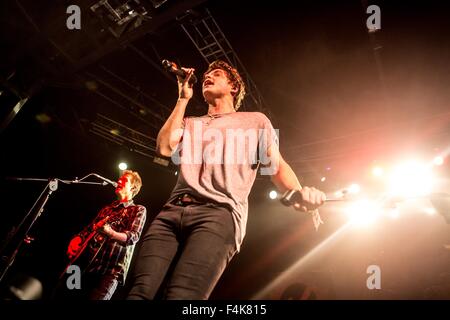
x=323, y=179
x=430, y=211
x=176, y=173
x=363, y=212
x=394, y=213
x=377, y=171
x=123, y=166
x=438, y=161
x=411, y=179
x=354, y=188
x=273, y=194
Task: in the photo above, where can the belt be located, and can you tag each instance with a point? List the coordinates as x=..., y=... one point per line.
x=185, y=199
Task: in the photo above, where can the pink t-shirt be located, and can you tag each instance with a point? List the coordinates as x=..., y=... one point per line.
x=219, y=156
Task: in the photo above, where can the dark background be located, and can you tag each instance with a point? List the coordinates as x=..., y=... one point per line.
x=342, y=98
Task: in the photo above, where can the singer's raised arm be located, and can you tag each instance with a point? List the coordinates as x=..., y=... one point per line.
x=170, y=134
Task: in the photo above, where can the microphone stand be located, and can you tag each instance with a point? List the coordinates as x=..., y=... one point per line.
x=52, y=186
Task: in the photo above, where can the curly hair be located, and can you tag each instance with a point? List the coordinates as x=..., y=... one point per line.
x=136, y=181
x=233, y=77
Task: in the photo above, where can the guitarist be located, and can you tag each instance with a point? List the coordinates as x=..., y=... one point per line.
x=107, y=244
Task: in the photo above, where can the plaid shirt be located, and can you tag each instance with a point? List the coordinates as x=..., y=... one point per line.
x=115, y=257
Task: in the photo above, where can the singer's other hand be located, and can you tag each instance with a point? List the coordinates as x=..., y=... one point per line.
x=311, y=199
x=185, y=90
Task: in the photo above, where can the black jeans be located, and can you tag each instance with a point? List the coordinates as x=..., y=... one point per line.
x=188, y=247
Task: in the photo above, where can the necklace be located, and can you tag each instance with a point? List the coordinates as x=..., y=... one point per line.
x=214, y=116
x=211, y=118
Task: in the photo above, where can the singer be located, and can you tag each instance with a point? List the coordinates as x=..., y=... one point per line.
x=103, y=250
x=202, y=225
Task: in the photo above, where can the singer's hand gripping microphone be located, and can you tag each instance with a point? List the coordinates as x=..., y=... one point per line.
x=173, y=68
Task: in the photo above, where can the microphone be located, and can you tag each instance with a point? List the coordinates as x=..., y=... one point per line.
x=173, y=68
x=292, y=197
x=106, y=180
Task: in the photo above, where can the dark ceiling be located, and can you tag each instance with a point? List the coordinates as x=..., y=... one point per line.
x=331, y=88
x=343, y=98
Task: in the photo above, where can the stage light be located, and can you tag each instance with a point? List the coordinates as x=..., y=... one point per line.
x=438, y=161
x=411, y=179
x=273, y=194
x=354, y=188
x=363, y=212
x=394, y=213
x=123, y=166
x=377, y=171
x=323, y=179
x=121, y=17
x=176, y=173
x=430, y=211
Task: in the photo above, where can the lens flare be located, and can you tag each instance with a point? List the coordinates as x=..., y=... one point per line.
x=363, y=212
x=411, y=179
